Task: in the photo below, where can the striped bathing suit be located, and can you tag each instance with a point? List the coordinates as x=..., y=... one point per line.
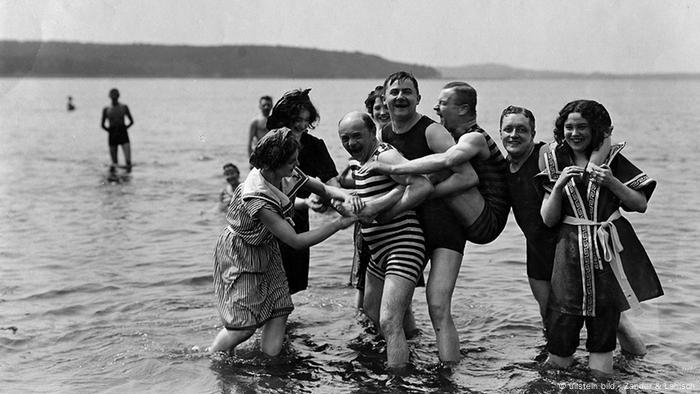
x=398, y=246
x=249, y=281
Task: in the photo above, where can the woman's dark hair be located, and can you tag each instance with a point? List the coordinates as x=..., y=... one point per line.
x=597, y=116
x=274, y=149
x=373, y=95
x=288, y=108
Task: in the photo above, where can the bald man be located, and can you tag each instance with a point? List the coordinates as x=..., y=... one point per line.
x=396, y=241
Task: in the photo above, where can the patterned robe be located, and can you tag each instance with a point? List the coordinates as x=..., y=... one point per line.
x=598, y=259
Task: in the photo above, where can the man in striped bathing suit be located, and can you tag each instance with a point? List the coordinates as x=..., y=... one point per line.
x=474, y=188
x=395, y=240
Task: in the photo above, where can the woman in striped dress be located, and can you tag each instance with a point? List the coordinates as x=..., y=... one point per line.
x=249, y=281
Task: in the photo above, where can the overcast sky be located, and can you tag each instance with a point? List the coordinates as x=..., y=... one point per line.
x=621, y=36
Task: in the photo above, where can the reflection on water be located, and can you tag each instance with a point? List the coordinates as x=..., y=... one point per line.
x=106, y=285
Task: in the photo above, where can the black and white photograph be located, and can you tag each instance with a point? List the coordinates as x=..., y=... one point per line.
x=349, y=197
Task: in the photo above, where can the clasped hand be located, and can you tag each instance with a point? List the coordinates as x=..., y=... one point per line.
x=601, y=174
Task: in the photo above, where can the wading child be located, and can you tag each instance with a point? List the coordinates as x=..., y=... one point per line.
x=600, y=267
x=249, y=281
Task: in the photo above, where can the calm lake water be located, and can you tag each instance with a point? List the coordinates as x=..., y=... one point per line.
x=107, y=286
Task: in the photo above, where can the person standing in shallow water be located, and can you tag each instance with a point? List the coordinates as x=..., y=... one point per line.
x=114, y=122
x=249, y=282
x=525, y=161
x=396, y=242
x=600, y=266
x=294, y=110
x=258, y=126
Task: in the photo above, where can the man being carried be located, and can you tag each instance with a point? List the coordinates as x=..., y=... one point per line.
x=396, y=243
x=475, y=190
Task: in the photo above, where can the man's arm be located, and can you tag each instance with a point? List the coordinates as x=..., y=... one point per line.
x=468, y=147
x=127, y=114
x=417, y=189
x=103, y=123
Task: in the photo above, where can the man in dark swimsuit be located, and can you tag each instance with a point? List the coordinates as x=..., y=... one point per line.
x=473, y=194
x=117, y=127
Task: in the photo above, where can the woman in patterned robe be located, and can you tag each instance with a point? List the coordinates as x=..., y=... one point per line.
x=600, y=266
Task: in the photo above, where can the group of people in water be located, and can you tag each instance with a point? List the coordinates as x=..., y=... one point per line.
x=417, y=191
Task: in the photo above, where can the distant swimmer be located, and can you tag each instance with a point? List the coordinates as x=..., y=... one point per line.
x=232, y=176
x=70, y=106
x=117, y=128
x=258, y=127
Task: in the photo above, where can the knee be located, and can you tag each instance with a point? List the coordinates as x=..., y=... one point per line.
x=391, y=323
x=439, y=311
x=272, y=348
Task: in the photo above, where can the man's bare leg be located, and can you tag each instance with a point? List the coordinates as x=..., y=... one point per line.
x=373, y=297
x=113, y=155
x=540, y=289
x=396, y=298
x=126, y=148
x=444, y=268
x=629, y=338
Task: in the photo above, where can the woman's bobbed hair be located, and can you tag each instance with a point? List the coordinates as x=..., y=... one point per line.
x=597, y=116
x=274, y=149
x=288, y=108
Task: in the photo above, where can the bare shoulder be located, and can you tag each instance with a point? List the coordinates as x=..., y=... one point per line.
x=436, y=130
x=472, y=139
x=438, y=138
x=391, y=156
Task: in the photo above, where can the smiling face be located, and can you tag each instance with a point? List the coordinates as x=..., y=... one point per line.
x=356, y=138
x=448, y=110
x=301, y=123
x=401, y=99
x=577, y=132
x=380, y=112
x=517, y=135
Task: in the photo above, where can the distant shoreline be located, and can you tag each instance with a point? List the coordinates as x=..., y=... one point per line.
x=470, y=78
x=55, y=59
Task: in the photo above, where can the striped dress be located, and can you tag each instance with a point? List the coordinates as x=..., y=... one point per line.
x=249, y=281
x=398, y=246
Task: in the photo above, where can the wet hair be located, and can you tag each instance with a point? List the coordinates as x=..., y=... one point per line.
x=288, y=108
x=274, y=149
x=464, y=93
x=512, y=109
x=373, y=95
x=265, y=98
x=595, y=114
x=401, y=76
